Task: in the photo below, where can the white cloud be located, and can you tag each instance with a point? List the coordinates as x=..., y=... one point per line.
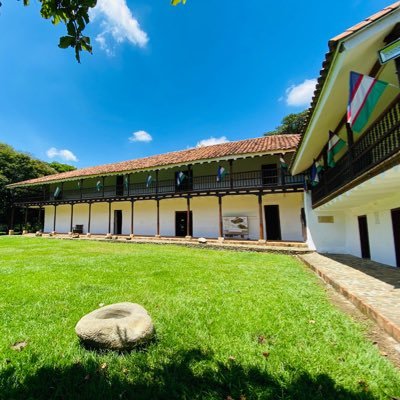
x=301, y=94
x=140, y=136
x=118, y=23
x=212, y=140
x=65, y=155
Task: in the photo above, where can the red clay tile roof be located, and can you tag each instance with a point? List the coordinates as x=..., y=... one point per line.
x=333, y=45
x=266, y=144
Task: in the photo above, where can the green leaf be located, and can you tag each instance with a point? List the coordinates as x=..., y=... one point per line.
x=66, y=41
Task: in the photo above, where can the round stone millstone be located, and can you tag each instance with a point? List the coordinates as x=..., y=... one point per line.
x=121, y=326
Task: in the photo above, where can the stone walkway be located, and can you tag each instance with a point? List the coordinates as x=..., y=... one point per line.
x=374, y=288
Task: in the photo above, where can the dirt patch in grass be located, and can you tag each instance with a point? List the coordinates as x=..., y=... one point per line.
x=388, y=347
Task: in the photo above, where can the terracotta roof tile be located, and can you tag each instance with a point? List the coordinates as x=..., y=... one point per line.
x=264, y=144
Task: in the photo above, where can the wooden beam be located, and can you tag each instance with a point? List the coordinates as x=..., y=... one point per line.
x=109, y=217
x=260, y=216
x=55, y=216
x=231, y=173
x=132, y=216
x=221, y=229
x=72, y=217
x=158, y=218
x=89, y=217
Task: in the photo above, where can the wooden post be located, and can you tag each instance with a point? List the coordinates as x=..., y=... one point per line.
x=221, y=231
x=90, y=216
x=62, y=191
x=12, y=219
x=260, y=216
x=129, y=185
x=188, y=233
x=231, y=173
x=132, y=217
x=102, y=178
x=26, y=216
x=72, y=218
x=158, y=218
x=109, y=217
x=55, y=216
x=40, y=219
x=80, y=187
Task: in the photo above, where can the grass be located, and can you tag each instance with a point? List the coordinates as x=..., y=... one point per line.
x=244, y=325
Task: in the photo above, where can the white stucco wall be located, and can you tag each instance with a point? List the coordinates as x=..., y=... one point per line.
x=204, y=211
x=343, y=235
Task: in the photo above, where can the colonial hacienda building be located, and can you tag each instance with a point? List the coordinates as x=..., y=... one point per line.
x=237, y=189
x=354, y=205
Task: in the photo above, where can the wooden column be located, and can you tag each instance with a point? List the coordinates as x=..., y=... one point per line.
x=188, y=233
x=109, y=216
x=156, y=181
x=158, y=218
x=221, y=231
x=90, y=216
x=231, y=174
x=80, y=187
x=132, y=217
x=55, y=216
x=260, y=216
x=12, y=218
x=102, y=178
x=71, y=225
x=40, y=219
x=26, y=217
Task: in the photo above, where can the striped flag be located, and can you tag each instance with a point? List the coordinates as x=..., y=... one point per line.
x=335, y=144
x=364, y=95
x=176, y=2
x=221, y=173
x=99, y=186
x=315, y=170
x=148, y=181
x=79, y=184
x=126, y=182
x=180, y=178
x=57, y=192
x=282, y=161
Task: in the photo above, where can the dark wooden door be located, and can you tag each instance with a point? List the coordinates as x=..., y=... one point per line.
x=272, y=222
x=396, y=233
x=117, y=222
x=181, y=224
x=364, y=237
x=269, y=174
x=119, y=188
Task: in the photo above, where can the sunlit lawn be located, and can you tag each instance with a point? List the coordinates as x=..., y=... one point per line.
x=232, y=324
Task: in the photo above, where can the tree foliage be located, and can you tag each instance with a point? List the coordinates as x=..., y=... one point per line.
x=15, y=167
x=74, y=14
x=292, y=123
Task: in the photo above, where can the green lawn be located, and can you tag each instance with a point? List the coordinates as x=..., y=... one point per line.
x=228, y=324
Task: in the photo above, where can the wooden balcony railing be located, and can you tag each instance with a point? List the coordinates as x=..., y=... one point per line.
x=236, y=181
x=377, y=144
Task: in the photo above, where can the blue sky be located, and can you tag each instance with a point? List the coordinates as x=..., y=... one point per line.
x=161, y=78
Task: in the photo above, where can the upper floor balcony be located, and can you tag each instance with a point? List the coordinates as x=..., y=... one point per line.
x=268, y=177
x=375, y=151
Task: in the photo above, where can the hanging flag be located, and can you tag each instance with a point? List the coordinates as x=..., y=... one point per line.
x=282, y=161
x=221, y=173
x=126, y=182
x=176, y=2
x=180, y=177
x=79, y=184
x=57, y=192
x=148, y=181
x=99, y=186
x=364, y=95
x=315, y=170
x=335, y=144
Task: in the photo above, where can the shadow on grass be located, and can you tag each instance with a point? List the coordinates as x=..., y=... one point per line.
x=174, y=379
